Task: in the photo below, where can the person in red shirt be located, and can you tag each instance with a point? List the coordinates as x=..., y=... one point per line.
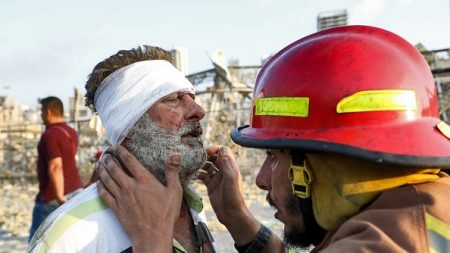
x=57, y=172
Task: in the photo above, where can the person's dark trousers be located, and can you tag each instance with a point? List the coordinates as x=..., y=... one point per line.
x=40, y=211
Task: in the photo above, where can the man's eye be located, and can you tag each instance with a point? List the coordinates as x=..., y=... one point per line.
x=171, y=100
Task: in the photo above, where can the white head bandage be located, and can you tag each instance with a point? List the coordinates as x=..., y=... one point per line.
x=125, y=95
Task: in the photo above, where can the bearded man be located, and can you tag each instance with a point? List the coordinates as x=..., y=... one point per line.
x=147, y=107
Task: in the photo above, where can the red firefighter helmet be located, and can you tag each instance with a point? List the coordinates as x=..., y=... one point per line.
x=354, y=90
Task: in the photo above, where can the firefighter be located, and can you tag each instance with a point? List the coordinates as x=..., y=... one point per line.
x=355, y=149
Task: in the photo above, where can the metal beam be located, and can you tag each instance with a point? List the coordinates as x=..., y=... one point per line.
x=441, y=72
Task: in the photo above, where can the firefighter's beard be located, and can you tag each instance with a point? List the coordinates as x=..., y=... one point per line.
x=152, y=145
x=303, y=230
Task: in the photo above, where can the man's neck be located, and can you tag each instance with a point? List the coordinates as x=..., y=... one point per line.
x=55, y=121
x=184, y=230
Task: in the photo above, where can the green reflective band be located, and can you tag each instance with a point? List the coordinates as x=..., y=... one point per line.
x=177, y=247
x=378, y=100
x=70, y=218
x=438, y=234
x=193, y=200
x=282, y=106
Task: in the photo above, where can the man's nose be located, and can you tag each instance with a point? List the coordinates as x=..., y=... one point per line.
x=264, y=180
x=193, y=111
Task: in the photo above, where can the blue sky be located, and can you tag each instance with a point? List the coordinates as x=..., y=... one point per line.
x=48, y=47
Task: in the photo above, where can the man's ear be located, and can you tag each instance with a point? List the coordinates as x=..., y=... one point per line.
x=49, y=113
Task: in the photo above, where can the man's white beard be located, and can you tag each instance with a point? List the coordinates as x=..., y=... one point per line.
x=152, y=145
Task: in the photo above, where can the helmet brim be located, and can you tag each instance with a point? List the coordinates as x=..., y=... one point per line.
x=404, y=145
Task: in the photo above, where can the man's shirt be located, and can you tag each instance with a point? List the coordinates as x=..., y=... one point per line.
x=86, y=224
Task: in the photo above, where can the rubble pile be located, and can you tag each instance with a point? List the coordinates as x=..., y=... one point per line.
x=16, y=208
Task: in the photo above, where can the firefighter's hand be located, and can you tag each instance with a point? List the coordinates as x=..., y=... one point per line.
x=224, y=183
x=147, y=209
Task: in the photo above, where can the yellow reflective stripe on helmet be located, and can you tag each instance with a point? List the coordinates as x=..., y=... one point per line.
x=444, y=128
x=282, y=106
x=438, y=234
x=378, y=100
x=71, y=217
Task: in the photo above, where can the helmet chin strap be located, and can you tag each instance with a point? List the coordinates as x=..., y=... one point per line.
x=300, y=176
